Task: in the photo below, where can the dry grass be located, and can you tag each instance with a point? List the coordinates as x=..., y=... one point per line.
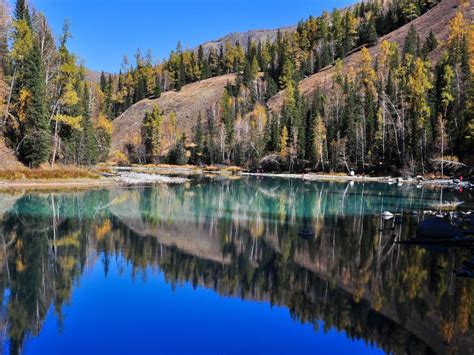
x=59, y=173
x=233, y=169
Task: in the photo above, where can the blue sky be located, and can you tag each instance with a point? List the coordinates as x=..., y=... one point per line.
x=105, y=30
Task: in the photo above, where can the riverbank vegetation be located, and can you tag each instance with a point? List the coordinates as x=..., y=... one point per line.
x=58, y=173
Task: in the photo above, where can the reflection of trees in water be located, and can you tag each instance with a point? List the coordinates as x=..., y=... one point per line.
x=351, y=250
x=350, y=275
x=46, y=246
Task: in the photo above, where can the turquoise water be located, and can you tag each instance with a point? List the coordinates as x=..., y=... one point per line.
x=219, y=266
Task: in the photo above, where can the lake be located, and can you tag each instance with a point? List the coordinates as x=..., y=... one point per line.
x=230, y=266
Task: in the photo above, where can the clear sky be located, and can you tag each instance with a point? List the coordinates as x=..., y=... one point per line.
x=105, y=30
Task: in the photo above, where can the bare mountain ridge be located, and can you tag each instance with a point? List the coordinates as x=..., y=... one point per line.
x=93, y=76
x=243, y=38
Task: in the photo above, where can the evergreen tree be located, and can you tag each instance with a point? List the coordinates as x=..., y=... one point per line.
x=152, y=134
x=90, y=150
x=103, y=82
x=22, y=12
x=431, y=43
x=411, y=40
x=283, y=144
x=274, y=142
x=210, y=146
x=36, y=144
x=198, y=140
x=228, y=120
x=178, y=154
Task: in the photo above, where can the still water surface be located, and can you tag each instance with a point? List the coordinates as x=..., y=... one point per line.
x=218, y=266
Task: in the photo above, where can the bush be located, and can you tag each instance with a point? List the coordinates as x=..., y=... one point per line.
x=118, y=158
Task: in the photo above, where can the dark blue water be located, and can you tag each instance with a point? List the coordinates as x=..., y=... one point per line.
x=220, y=267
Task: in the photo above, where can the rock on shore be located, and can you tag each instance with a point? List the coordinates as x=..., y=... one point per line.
x=143, y=178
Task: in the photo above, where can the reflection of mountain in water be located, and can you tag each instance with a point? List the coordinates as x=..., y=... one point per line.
x=241, y=238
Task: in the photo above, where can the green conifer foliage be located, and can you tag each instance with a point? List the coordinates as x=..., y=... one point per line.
x=36, y=143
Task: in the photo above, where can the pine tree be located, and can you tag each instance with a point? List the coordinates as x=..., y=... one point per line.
x=103, y=82
x=431, y=43
x=90, y=150
x=157, y=90
x=36, y=144
x=152, y=134
x=178, y=154
x=210, y=146
x=274, y=141
x=411, y=40
x=228, y=119
x=283, y=144
x=198, y=140
x=315, y=111
x=418, y=86
x=271, y=87
x=22, y=12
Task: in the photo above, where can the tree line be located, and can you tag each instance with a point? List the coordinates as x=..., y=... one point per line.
x=50, y=112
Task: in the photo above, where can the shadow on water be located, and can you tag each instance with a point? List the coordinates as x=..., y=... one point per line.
x=322, y=250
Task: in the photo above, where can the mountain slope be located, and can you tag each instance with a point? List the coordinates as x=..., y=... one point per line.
x=193, y=99
x=435, y=20
x=198, y=97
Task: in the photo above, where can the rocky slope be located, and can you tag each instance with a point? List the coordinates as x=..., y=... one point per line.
x=243, y=38
x=193, y=99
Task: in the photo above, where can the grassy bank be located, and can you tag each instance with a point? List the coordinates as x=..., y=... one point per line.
x=58, y=173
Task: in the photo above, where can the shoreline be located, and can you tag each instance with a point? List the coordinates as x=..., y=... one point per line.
x=146, y=176
x=321, y=177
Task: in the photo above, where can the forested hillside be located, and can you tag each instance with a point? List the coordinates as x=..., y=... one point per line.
x=384, y=88
x=379, y=87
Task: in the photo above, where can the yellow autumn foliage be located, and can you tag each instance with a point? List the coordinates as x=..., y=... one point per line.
x=71, y=121
x=104, y=124
x=102, y=230
x=71, y=240
x=23, y=40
